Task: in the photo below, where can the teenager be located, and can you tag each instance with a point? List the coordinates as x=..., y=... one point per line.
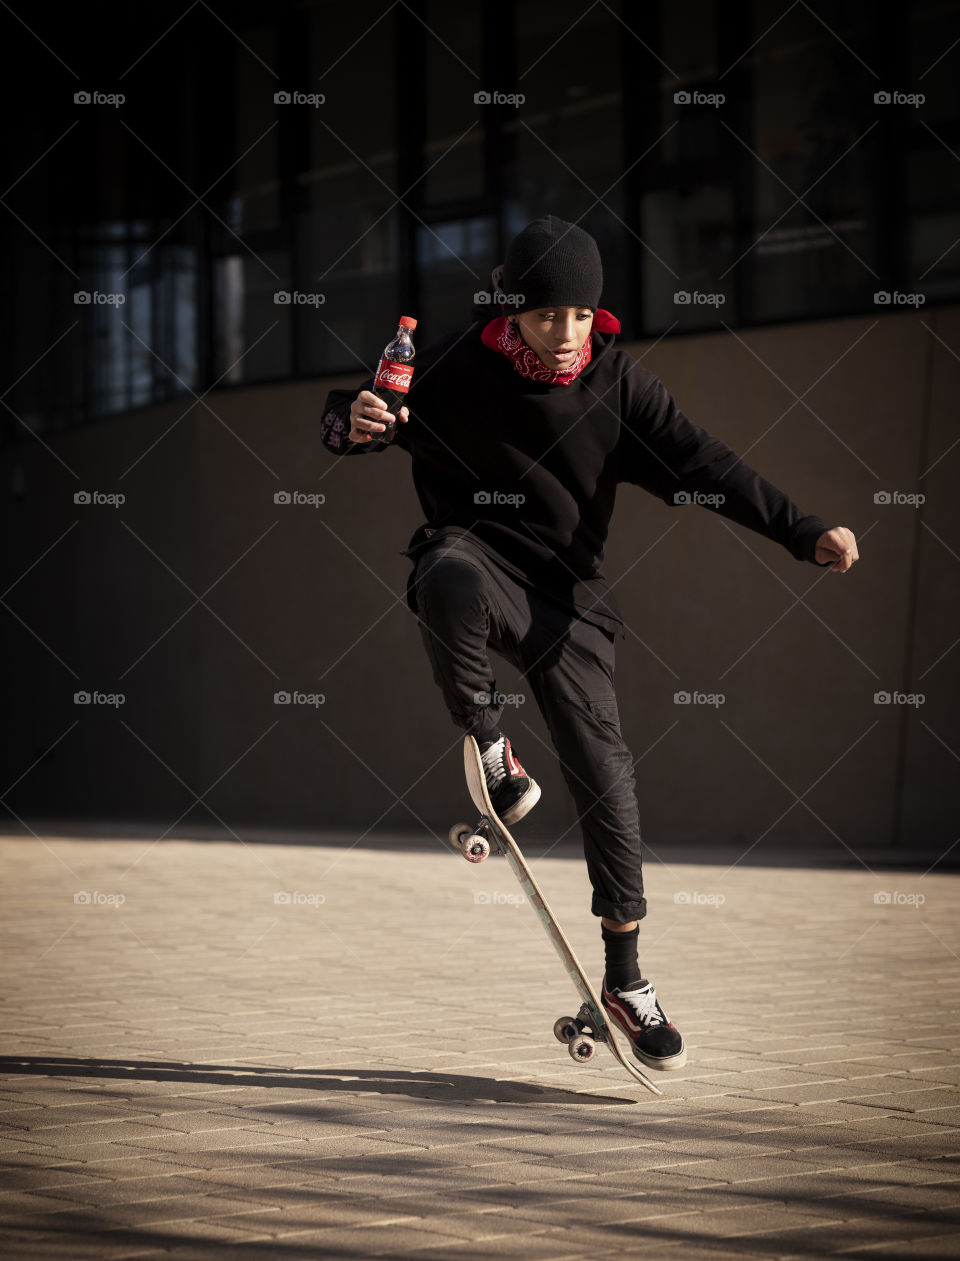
x=520, y=429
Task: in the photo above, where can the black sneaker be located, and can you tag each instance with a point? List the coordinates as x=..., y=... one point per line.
x=512, y=792
x=655, y=1041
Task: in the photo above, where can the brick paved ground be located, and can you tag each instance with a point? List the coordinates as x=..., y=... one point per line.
x=204, y=1071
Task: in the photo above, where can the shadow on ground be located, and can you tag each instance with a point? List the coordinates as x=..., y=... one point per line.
x=453, y=1087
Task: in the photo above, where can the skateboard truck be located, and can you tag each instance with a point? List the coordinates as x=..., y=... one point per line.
x=475, y=843
x=581, y=1033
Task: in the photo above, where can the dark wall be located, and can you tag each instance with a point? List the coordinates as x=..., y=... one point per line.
x=200, y=598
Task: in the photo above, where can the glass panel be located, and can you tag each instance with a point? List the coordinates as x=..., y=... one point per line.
x=181, y=298
x=813, y=104
x=112, y=348
x=932, y=70
x=141, y=365
x=455, y=260
x=347, y=236
x=932, y=193
x=153, y=292
x=228, y=303
x=355, y=122
x=452, y=44
x=688, y=40
x=569, y=133
x=257, y=190
x=252, y=322
x=691, y=230
x=689, y=55
x=350, y=261
x=569, y=128
x=931, y=187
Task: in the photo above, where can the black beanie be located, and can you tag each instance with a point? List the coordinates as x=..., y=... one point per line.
x=553, y=263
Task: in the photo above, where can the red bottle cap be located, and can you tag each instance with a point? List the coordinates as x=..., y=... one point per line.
x=407, y=321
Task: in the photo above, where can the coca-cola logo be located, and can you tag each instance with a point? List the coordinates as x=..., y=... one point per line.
x=397, y=376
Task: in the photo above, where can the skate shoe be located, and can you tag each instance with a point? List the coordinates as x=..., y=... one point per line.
x=513, y=793
x=655, y=1041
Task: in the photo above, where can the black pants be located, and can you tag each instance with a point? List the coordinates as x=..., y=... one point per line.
x=465, y=606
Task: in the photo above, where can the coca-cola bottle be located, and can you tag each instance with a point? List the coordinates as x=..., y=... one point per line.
x=394, y=373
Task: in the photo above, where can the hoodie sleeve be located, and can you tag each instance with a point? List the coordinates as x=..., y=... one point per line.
x=335, y=425
x=663, y=451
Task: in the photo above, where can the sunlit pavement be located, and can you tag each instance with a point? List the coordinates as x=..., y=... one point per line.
x=274, y=1050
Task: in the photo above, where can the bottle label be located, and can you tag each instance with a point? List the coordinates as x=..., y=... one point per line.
x=393, y=376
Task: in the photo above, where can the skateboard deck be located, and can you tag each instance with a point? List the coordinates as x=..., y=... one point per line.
x=582, y=1032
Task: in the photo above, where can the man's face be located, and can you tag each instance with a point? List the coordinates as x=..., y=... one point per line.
x=556, y=334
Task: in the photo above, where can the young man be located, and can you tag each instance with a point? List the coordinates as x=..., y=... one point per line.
x=520, y=429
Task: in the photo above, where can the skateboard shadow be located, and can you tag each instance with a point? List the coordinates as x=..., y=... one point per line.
x=442, y=1087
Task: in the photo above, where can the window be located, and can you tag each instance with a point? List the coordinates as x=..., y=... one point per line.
x=388, y=183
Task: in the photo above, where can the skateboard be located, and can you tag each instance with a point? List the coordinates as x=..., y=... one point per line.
x=582, y=1032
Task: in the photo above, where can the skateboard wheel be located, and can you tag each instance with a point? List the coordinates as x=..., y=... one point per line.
x=475, y=848
x=582, y=1048
x=566, y=1029
x=458, y=834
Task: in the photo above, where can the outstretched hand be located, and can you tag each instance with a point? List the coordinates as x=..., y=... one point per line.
x=837, y=545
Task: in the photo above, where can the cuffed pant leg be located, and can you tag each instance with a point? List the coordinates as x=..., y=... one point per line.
x=573, y=686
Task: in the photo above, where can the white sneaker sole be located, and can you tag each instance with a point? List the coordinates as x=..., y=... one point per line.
x=675, y=1061
x=523, y=807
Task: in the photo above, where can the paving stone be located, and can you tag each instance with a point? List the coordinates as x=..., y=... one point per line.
x=851, y=1232
x=218, y=1140
x=948, y=1073
x=104, y=1246
x=12, y=1203
x=945, y=1246
x=90, y=1154
x=915, y=1098
x=204, y=1122
x=937, y=1196
x=133, y=1190
x=942, y=1116
x=393, y=1239
x=39, y=1178
x=38, y=1119
x=324, y=1208
x=261, y=1176
x=91, y=1132
x=604, y=1209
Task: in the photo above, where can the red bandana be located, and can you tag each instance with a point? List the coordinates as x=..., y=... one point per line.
x=501, y=335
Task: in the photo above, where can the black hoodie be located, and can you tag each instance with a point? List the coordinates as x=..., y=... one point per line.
x=530, y=471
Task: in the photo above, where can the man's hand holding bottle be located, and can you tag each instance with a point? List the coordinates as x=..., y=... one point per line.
x=369, y=417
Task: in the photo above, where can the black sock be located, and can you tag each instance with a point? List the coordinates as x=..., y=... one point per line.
x=621, y=951
x=488, y=740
